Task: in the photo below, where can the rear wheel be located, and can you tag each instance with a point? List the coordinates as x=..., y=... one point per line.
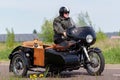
x=97, y=63
x=19, y=66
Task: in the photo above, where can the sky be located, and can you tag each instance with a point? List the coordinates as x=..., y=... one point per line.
x=26, y=15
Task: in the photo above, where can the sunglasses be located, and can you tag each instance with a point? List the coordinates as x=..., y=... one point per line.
x=67, y=12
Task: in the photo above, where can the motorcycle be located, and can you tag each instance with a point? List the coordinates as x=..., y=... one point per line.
x=55, y=58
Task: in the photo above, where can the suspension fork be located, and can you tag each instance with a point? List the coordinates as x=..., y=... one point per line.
x=86, y=53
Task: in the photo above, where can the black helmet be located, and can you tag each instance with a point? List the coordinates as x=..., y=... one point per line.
x=63, y=10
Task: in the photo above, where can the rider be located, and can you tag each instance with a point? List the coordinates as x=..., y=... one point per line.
x=60, y=25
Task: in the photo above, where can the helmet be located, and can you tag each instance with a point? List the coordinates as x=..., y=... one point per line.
x=63, y=10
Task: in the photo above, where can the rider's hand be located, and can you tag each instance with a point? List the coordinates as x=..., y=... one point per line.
x=64, y=33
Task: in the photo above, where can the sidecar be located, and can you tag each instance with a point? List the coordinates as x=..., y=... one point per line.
x=35, y=54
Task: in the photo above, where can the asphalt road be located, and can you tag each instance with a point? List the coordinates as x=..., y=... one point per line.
x=111, y=72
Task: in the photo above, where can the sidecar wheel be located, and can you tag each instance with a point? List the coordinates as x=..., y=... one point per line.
x=97, y=64
x=19, y=66
x=55, y=70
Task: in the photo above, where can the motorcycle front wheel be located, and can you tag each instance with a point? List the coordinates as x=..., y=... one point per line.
x=97, y=63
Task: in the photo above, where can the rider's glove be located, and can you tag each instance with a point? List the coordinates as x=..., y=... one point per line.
x=64, y=33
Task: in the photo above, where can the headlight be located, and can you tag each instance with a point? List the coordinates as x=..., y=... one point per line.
x=89, y=38
x=27, y=54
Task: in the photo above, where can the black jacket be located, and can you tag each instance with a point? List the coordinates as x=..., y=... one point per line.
x=60, y=25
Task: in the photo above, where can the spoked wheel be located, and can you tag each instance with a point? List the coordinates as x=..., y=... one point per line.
x=19, y=68
x=97, y=63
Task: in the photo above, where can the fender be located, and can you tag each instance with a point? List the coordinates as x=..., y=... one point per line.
x=18, y=50
x=95, y=49
x=14, y=51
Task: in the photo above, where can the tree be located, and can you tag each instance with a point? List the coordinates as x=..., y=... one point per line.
x=84, y=19
x=47, y=31
x=10, y=38
x=34, y=31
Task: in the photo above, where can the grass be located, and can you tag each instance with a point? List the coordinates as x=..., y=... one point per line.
x=111, y=50
x=5, y=51
x=112, y=55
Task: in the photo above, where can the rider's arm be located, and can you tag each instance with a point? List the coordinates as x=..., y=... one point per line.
x=58, y=26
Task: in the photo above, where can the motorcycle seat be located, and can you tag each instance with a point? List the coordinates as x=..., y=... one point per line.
x=60, y=48
x=54, y=46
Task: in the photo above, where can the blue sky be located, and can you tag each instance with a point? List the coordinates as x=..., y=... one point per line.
x=25, y=15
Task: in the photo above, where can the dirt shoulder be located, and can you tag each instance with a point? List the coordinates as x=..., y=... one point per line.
x=4, y=62
x=112, y=66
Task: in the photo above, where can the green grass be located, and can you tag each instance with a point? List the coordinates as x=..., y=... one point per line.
x=112, y=56
x=4, y=54
x=5, y=51
x=110, y=49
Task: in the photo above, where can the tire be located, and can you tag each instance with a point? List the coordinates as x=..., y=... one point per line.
x=19, y=66
x=55, y=70
x=96, y=66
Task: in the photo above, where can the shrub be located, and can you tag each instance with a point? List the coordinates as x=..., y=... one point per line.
x=101, y=35
x=10, y=38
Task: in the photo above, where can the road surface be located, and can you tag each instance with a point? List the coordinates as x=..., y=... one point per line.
x=111, y=72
